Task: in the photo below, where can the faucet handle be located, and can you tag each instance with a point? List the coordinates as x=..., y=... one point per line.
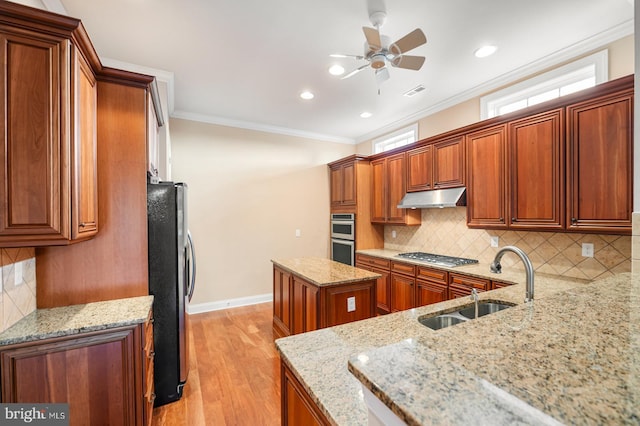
x=496, y=267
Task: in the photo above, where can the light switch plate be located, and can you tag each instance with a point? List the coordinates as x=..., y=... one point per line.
x=495, y=241
x=351, y=304
x=298, y=233
x=587, y=249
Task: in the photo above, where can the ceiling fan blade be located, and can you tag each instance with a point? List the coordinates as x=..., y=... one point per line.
x=408, y=62
x=373, y=38
x=354, y=72
x=340, y=55
x=412, y=40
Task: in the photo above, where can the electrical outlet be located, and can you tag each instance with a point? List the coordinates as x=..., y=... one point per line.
x=393, y=234
x=587, y=249
x=495, y=241
x=351, y=304
x=17, y=273
x=298, y=233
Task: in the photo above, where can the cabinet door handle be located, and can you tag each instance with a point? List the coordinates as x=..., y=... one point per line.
x=574, y=220
x=513, y=219
x=502, y=219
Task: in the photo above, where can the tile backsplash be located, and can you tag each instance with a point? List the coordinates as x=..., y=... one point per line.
x=18, y=281
x=444, y=231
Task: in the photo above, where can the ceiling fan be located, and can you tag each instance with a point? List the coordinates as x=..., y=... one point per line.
x=379, y=51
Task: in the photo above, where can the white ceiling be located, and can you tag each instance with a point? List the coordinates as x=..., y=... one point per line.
x=244, y=62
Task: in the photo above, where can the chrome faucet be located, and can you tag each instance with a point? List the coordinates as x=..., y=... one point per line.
x=496, y=268
x=474, y=297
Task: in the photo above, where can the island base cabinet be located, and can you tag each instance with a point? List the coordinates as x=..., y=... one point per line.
x=97, y=374
x=297, y=407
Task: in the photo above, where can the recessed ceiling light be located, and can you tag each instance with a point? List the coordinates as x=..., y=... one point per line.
x=336, y=70
x=485, y=51
x=307, y=95
x=365, y=114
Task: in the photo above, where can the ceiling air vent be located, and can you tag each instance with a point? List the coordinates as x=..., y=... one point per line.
x=414, y=91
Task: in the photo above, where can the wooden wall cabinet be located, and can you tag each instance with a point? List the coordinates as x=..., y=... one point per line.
x=600, y=164
x=48, y=133
x=487, y=178
x=536, y=171
x=436, y=166
x=106, y=377
x=388, y=189
x=343, y=185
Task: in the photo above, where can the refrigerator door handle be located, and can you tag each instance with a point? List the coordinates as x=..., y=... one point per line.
x=192, y=263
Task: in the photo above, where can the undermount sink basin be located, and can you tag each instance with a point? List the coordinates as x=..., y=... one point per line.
x=484, y=308
x=441, y=321
x=446, y=320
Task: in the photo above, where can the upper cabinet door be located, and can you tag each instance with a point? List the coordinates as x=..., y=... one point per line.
x=84, y=222
x=420, y=169
x=486, y=178
x=536, y=170
x=448, y=163
x=48, y=134
x=600, y=164
x=33, y=87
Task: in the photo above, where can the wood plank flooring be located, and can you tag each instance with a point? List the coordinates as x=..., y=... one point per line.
x=234, y=376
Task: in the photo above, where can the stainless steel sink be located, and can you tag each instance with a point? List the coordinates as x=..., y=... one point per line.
x=441, y=321
x=484, y=308
x=446, y=320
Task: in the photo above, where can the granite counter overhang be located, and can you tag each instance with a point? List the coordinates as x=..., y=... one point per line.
x=324, y=272
x=70, y=320
x=571, y=358
x=319, y=359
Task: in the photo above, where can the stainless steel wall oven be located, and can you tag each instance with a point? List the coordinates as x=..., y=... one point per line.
x=343, y=236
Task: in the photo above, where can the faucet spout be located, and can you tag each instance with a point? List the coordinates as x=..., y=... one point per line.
x=496, y=268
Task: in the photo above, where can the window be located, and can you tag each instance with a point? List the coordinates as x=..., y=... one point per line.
x=398, y=138
x=578, y=75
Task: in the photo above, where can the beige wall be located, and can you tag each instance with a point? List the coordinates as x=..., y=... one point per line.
x=248, y=193
x=621, y=63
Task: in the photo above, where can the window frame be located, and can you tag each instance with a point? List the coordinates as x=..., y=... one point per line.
x=543, y=83
x=394, y=137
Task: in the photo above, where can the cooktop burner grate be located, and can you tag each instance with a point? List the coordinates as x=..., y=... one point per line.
x=438, y=259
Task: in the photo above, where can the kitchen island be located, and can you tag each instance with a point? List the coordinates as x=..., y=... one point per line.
x=311, y=293
x=570, y=356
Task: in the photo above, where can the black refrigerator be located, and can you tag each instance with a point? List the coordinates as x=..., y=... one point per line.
x=171, y=282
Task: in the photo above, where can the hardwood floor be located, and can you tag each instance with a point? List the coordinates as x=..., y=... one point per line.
x=234, y=376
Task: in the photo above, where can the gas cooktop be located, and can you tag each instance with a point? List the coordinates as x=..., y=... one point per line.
x=437, y=259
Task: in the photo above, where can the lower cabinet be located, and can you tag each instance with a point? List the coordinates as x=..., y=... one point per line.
x=296, y=405
x=300, y=306
x=462, y=285
x=383, y=285
x=431, y=286
x=402, y=292
x=106, y=377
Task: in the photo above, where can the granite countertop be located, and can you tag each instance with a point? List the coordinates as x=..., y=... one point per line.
x=320, y=359
x=74, y=319
x=324, y=272
x=571, y=358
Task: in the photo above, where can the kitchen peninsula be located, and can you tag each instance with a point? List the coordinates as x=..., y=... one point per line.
x=569, y=356
x=311, y=293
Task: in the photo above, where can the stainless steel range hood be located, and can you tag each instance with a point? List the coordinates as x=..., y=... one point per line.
x=437, y=198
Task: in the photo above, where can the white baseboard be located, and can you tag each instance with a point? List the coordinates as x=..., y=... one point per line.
x=230, y=303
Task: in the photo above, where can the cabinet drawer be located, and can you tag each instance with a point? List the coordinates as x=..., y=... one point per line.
x=474, y=282
x=403, y=268
x=434, y=275
x=499, y=284
x=373, y=261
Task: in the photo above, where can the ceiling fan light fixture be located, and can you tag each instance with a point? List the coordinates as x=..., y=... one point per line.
x=336, y=70
x=484, y=51
x=377, y=62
